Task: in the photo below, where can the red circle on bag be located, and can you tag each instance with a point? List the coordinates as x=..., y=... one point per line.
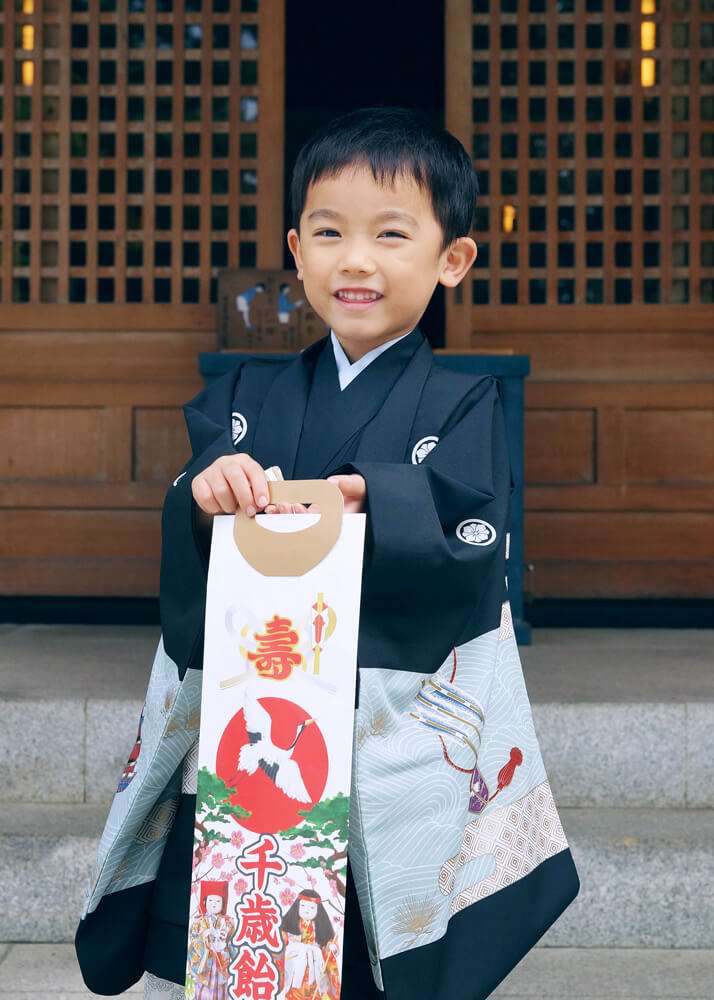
x=271, y=809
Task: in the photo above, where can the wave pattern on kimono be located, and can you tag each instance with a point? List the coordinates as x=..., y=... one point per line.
x=156, y=988
x=459, y=858
x=162, y=989
x=466, y=827
x=143, y=809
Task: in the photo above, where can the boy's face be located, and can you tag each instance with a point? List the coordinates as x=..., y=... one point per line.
x=357, y=247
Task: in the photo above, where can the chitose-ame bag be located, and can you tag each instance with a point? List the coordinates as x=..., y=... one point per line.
x=268, y=879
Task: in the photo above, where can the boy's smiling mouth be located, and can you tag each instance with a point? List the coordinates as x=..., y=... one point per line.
x=357, y=299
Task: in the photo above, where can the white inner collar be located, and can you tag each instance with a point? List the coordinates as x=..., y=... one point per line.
x=346, y=369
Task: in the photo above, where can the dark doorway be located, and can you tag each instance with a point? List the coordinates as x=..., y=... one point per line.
x=340, y=57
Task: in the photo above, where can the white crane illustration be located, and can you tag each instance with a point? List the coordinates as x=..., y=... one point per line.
x=262, y=752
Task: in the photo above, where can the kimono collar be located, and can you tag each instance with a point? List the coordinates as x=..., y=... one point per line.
x=282, y=417
x=208, y=414
x=348, y=370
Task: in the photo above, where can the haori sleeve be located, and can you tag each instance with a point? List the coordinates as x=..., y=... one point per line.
x=184, y=556
x=434, y=571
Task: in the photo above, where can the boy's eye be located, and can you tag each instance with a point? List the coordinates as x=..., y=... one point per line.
x=389, y=232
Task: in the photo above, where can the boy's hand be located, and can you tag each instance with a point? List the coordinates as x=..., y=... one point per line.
x=353, y=489
x=230, y=482
x=234, y=481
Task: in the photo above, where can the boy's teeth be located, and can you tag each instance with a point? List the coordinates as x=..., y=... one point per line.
x=357, y=296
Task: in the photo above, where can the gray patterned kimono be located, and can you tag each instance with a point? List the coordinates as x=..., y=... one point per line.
x=459, y=859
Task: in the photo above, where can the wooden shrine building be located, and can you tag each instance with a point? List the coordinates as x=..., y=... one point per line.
x=147, y=145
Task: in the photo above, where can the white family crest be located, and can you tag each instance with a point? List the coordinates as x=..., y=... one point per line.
x=180, y=476
x=422, y=448
x=474, y=531
x=239, y=426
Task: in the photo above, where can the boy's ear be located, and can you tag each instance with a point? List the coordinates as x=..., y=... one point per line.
x=293, y=239
x=459, y=259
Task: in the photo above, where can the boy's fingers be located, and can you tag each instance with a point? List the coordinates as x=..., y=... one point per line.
x=346, y=484
x=224, y=492
x=258, y=483
x=203, y=495
x=239, y=488
x=352, y=485
x=276, y=508
x=286, y=508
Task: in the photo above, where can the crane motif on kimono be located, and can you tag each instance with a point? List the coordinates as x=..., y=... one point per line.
x=262, y=753
x=447, y=709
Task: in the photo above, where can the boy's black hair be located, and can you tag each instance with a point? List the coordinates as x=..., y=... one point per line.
x=393, y=140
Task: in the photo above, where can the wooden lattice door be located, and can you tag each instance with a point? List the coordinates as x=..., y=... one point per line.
x=141, y=139
x=142, y=153
x=591, y=127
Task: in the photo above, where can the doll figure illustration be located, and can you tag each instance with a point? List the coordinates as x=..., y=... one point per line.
x=210, y=949
x=285, y=306
x=308, y=962
x=244, y=299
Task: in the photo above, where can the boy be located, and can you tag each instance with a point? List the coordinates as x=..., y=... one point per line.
x=382, y=207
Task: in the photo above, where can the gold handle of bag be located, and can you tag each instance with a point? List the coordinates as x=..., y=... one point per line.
x=292, y=553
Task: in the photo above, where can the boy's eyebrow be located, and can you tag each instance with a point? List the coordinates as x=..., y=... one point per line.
x=387, y=213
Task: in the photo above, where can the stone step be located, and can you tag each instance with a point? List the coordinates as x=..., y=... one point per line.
x=647, y=877
x=49, y=972
x=625, y=718
x=646, y=754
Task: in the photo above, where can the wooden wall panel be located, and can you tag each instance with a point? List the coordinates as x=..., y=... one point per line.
x=642, y=527
x=560, y=446
x=160, y=444
x=669, y=446
x=642, y=536
x=600, y=518
x=71, y=534
x=56, y=443
x=93, y=434
x=80, y=552
x=98, y=575
x=619, y=579
x=601, y=354
x=122, y=356
x=87, y=552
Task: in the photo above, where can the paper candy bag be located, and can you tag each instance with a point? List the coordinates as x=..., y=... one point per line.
x=274, y=757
